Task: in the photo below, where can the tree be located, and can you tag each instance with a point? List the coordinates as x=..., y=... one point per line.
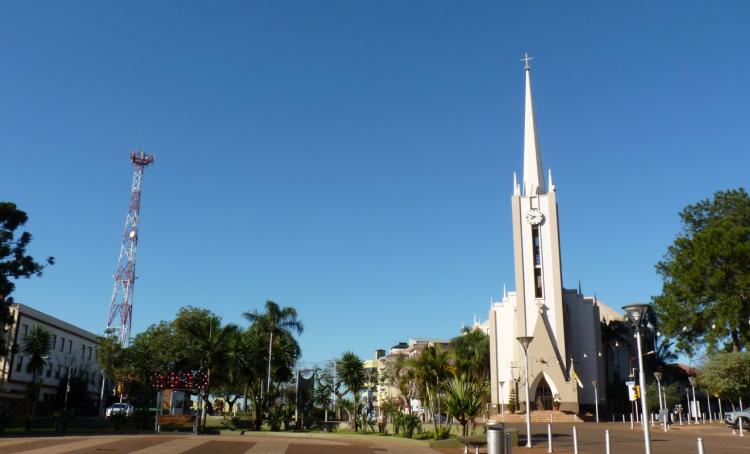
x=726, y=374
x=705, y=296
x=471, y=352
x=431, y=370
x=206, y=341
x=275, y=321
x=465, y=399
x=14, y=262
x=350, y=370
x=36, y=346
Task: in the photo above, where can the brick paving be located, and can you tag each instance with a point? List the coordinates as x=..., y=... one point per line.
x=718, y=439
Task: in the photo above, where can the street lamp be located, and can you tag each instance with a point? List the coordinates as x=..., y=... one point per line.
x=596, y=399
x=636, y=313
x=691, y=379
x=502, y=402
x=662, y=410
x=525, y=341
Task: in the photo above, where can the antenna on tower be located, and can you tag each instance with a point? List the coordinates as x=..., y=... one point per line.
x=122, y=294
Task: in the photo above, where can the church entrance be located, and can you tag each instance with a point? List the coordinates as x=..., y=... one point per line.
x=543, y=398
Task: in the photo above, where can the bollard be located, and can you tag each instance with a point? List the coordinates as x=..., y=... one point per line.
x=508, y=443
x=549, y=437
x=631, y=420
x=575, y=440
x=700, y=445
x=495, y=438
x=680, y=415
x=606, y=442
x=652, y=420
x=623, y=418
x=742, y=434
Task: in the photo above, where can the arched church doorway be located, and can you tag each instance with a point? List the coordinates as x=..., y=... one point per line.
x=543, y=397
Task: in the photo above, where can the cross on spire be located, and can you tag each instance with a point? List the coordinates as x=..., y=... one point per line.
x=526, y=59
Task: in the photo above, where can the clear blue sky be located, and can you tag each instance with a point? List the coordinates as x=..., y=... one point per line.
x=355, y=159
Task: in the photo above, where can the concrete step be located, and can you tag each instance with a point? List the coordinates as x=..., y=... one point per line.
x=537, y=416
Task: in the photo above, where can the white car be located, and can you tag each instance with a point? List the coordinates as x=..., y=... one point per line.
x=119, y=409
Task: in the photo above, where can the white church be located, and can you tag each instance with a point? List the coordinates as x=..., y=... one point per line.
x=565, y=354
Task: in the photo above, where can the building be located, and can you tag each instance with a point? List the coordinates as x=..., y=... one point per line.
x=387, y=388
x=73, y=353
x=565, y=357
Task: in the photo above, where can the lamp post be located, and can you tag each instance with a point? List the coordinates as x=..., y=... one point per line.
x=502, y=401
x=691, y=379
x=689, y=410
x=525, y=341
x=596, y=399
x=636, y=313
x=662, y=406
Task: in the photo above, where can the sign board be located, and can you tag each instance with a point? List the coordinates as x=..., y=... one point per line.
x=632, y=390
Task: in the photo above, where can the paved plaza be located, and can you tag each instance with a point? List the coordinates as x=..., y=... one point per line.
x=680, y=440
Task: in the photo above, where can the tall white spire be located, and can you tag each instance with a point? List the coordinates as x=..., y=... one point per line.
x=533, y=178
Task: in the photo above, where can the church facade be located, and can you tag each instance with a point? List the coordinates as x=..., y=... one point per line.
x=565, y=354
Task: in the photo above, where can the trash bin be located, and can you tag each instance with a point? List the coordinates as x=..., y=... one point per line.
x=496, y=439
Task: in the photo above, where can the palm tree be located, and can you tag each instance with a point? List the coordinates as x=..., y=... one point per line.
x=350, y=370
x=465, y=399
x=471, y=351
x=207, y=343
x=275, y=321
x=431, y=370
x=36, y=345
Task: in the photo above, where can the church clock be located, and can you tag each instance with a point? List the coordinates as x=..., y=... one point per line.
x=534, y=217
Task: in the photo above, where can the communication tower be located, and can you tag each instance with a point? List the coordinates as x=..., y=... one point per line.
x=122, y=294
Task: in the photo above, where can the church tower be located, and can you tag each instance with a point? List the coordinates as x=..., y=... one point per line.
x=536, y=241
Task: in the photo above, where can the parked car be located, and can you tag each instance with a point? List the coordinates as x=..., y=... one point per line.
x=733, y=418
x=119, y=409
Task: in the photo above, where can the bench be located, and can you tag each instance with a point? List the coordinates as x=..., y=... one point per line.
x=475, y=442
x=177, y=420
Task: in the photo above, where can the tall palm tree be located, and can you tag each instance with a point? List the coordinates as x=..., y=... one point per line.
x=431, y=371
x=471, y=351
x=350, y=370
x=207, y=345
x=275, y=321
x=36, y=345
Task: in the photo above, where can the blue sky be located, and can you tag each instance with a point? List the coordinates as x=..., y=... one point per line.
x=355, y=159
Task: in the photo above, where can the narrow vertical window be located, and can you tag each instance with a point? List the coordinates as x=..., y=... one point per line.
x=19, y=364
x=537, y=250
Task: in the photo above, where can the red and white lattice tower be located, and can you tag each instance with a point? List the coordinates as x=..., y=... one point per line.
x=122, y=295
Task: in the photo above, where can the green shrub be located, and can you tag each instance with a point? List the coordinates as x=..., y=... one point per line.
x=442, y=433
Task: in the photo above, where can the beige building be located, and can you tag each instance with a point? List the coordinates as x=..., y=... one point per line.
x=73, y=351
x=565, y=357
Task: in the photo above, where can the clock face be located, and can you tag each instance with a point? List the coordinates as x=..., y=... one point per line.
x=534, y=217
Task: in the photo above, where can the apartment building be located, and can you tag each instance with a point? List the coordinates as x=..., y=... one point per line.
x=72, y=353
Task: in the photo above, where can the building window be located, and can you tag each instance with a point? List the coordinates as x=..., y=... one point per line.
x=70, y=346
x=83, y=351
x=57, y=372
x=53, y=342
x=49, y=372
x=19, y=364
x=537, y=249
x=90, y=349
x=25, y=329
x=62, y=344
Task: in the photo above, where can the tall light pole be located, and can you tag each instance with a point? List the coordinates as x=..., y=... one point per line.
x=525, y=341
x=691, y=379
x=636, y=313
x=502, y=401
x=662, y=410
x=596, y=399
